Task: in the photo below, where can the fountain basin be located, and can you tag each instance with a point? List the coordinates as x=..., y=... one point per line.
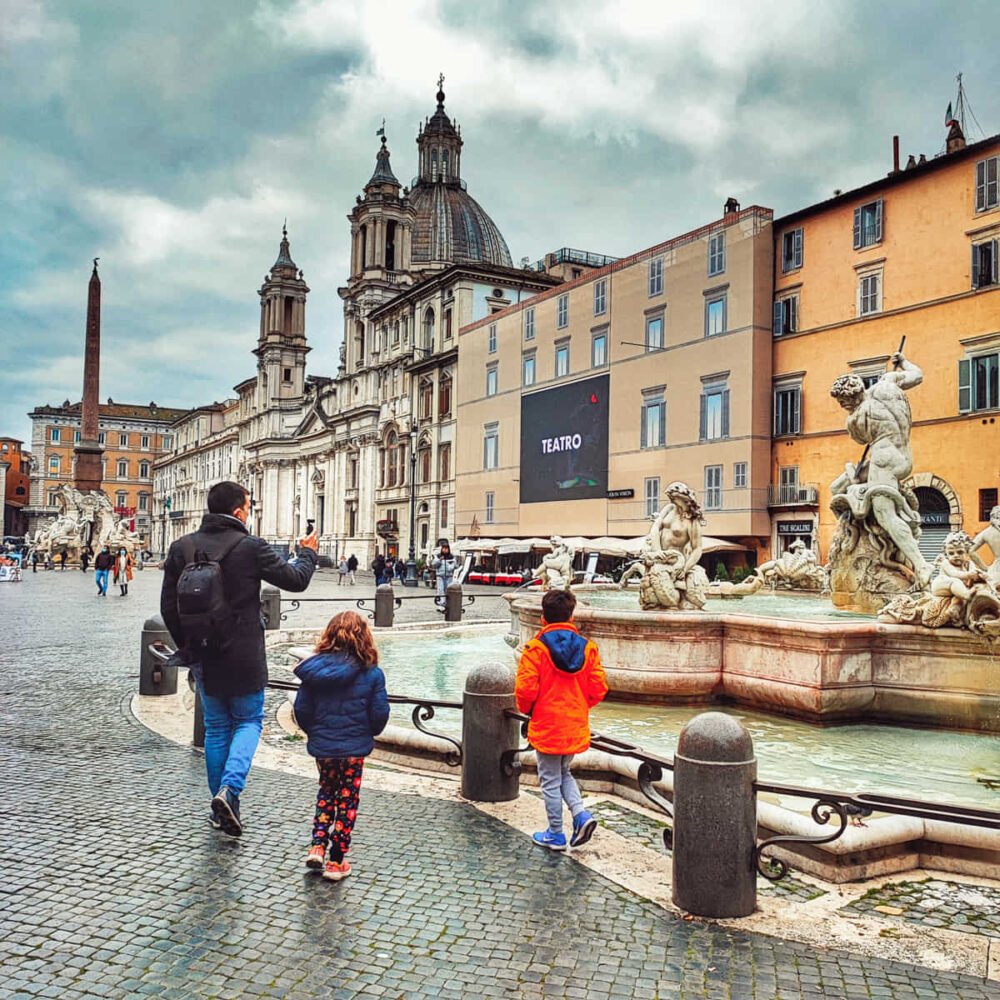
x=835, y=670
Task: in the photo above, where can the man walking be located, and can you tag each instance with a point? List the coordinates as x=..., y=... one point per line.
x=352, y=568
x=102, y=568
x=229, y=665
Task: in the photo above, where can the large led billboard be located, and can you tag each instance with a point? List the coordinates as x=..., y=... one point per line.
x=564, y=442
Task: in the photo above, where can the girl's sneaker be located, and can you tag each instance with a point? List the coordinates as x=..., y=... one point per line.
x=316, y=856
x=336, y=870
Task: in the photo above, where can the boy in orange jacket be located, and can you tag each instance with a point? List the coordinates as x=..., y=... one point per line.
x=559, y=680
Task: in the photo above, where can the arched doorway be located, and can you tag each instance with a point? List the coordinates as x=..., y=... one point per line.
x=935, y=520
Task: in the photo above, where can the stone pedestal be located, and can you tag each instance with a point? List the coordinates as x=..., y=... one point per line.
x=487, y=733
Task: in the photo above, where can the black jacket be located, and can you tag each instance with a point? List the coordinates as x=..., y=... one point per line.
x=106, y=560
x=241, y=667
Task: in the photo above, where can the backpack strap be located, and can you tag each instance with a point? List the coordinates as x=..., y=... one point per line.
x=191, y=553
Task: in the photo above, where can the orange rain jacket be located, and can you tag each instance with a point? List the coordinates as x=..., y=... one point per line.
x=559, y=679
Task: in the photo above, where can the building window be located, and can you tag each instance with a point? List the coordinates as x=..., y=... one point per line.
x=144, y=470
x=444, y=462
x=491, y=380
x=428, y=343
x=987, y=501
x=714, y=422
x=101, y=437
x=600, y=297
x=786, y=317
x=443, y=519
x=444, y=397
x=286, y=374
x=144, y=440
x=986, y=184
x=654, y=423
x=788, y=484
x=76, y=437
x=395, y=333
x=713, y=487
x=528, y=369
x=562, y=360
x=869, y=294
x=984, y=264
x=54, y=465
x=447, y=324
x=599, y=350
x=122, y=440
x=426, y=407
x=121, y=498
x=54, y=434
x=787, y=411
x=353, y=477
x=868, y=225
x=122, y=472
x=979, y=383
x=491, y=446
x=791, y=251
x=424, y=463
x=654, y=333
x=529, y=323
x=651, y=492
x=491, y=339
x=716, y=254
x=715, y=316
x=490, y=507
x=562, y=311
x=53, y=498
x=739, y=475
x=167, y=441
x=656, y=276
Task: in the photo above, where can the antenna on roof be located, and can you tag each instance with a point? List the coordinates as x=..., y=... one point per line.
x=962, y=106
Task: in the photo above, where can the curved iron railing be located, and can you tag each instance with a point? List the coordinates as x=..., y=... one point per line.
x=364, y=603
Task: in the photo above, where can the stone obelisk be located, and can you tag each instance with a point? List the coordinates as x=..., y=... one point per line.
x=88, y=452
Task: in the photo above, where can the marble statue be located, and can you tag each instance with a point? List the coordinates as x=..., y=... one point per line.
x=960, y=594
x=874, y=555
x=556, y=570
x=795, y=569
x=672, y=580
x=990, y=537
x=86, y=521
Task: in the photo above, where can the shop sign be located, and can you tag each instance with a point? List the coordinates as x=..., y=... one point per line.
x=621, y=494
x=795, y=527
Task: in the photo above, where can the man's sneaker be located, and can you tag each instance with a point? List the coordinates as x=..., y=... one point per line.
x=226, y=809
x=316, y=857
x=336, y=870
x=213, y=822
x=553, y=841
x=584, y=826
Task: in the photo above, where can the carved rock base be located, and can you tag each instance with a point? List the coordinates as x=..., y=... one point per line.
x=860, y=582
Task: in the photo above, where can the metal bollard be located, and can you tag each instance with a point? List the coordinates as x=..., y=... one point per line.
x=487, y=733
x=155, y=676
x=385, y=603
x=270, y=606
x=715, y=818
x=453, y=602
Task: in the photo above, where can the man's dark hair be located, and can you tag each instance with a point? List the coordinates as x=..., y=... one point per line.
x=558, y=606
x=224, y=498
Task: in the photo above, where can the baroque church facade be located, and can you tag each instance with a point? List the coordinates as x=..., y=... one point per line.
x=340, y=451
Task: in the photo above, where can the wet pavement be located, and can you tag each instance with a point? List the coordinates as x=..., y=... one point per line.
x=113, y=885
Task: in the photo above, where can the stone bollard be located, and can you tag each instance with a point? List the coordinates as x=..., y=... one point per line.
x=715, y=818
x=487, y=733
x=385, y=603
x=270, y=606
x=155, y=676
x=453, y=602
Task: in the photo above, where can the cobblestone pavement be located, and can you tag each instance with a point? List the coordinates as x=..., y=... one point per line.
x=113, y=885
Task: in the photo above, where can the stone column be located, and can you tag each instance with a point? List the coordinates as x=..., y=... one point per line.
x=88, y=473
x=487, y=733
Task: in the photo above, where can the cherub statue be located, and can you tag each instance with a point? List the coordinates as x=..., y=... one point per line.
x=956, y=574
x=556, y=570
x=990, y=537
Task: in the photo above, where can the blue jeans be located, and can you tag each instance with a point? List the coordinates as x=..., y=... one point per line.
x=232, y=731
x=101, y=577
x=558, y=786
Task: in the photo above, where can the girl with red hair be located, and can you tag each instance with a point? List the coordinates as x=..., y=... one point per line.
x=341, y=706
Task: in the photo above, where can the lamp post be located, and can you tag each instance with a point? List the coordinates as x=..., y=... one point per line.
x=411, y=562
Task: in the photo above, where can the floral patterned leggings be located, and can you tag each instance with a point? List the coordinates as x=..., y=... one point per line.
x=337, y=803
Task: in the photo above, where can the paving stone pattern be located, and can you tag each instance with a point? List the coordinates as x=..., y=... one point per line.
x=113, y=885
x=972, y=909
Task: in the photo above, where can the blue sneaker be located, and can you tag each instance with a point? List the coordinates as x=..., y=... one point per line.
x=553, y=841
x=584, y=826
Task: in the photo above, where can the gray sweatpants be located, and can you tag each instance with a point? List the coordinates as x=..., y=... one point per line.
x=558, y=785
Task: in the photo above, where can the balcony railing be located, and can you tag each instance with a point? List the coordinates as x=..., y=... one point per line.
x=794, y=494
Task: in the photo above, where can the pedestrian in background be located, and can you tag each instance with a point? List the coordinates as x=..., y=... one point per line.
x=342, y=570
x=85, y=559
x=123, y=571
x=444, y=570
x=378, y=568
x=62, y=559
x=103, y=565
x=559, y=680
x=352, y=567
x=341, y=706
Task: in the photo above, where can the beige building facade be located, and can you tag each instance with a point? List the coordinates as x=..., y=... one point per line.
x=579, y=405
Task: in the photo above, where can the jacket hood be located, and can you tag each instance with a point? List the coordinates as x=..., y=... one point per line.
x=328, y=670
x=221, y=522
x=566, y=647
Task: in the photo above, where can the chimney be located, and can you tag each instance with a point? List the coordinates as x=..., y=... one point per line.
x=895, y=154
x=911, y=162
x=732, y=207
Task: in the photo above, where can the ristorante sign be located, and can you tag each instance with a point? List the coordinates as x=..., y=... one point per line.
x=564, y=442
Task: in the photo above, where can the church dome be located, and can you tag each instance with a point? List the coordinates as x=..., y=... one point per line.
x=450, y=225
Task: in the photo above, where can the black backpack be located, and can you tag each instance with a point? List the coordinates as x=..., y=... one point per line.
x=206, y=617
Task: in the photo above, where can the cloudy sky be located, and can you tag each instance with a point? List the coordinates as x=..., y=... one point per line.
x=172, y=139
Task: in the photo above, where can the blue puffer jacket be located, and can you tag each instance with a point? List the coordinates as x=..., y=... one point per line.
x=341, y=706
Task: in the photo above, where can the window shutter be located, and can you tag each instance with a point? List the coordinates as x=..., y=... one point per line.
x=980, y=185
x=964, y=385
x=857, y=228
x=776, y=325
x=642, y=432
x=725, y=413
x=702, y=417
x=663, y=424
x=879, y=216
x=975, y=266
x=798, y=247
x=774, y=412
x=797, y=411
x=994, y=246
x=793, y=319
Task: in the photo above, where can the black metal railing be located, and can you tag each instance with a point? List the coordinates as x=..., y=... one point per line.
x=364, y=603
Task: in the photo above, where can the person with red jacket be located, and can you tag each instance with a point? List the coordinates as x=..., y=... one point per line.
x=559, y=680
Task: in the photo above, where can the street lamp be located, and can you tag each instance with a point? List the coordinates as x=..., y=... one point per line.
x=411, y=562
